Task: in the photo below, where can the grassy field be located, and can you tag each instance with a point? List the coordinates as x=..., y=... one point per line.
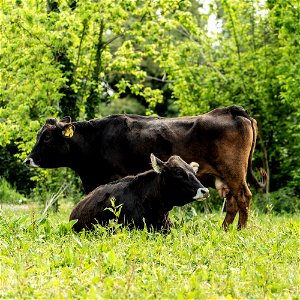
x=43, y=259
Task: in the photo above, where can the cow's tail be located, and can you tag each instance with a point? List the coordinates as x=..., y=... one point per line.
x=250, y=175
x=239, y=111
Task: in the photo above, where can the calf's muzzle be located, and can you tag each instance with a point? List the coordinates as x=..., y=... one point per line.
x=202, y=193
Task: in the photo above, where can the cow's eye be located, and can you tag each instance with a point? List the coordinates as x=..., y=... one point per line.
x=179, y=173
x=47, y=137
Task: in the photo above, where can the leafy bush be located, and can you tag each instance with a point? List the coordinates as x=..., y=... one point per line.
x=285, y=200
x=8, y=194
x=53, y=185
x=125, y=105
x=14, y=171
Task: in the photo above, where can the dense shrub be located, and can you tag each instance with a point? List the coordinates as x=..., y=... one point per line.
x=285, y=200
x=8, y=194
x=12, y=169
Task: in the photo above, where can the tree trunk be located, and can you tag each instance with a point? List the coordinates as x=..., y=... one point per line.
x=68, y=102
x=93, y=98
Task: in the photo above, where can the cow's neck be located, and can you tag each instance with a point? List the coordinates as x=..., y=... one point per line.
x=86, y=156
x=90, y=176
x=150, y=184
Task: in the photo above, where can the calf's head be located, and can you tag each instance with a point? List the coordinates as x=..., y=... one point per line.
x=179, y=180
x=52, y=148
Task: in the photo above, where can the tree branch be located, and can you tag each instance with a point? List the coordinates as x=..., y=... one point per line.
x=159, y=79
x=79, y=48
x=237, y=47
x=189, y=36
x=34, y=36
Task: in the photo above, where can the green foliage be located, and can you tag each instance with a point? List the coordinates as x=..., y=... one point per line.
x=57, y=183
x=8, y=194
x=285, y=200
x=251, y=60
x=115, y=209
x=43, y=258
x=125, y=105
x=17, y=174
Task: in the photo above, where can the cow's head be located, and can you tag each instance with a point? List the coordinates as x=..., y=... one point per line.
x=52, y=148
x=179, y=178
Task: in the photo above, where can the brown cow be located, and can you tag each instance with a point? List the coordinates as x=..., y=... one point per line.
x=221, y=142
x=142, y=199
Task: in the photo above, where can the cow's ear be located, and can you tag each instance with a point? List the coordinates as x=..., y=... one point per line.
x=68, y=130
x=51, y=121
x=195, y=166
x=66, y=119
x=156, y=163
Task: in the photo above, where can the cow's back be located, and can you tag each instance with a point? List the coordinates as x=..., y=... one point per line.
x=210, y=139
x=100, y=205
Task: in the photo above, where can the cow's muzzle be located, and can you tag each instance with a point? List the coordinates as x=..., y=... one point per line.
x=30, y=163
x=202, y=193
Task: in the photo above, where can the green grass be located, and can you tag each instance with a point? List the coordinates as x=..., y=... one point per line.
x=43, y=259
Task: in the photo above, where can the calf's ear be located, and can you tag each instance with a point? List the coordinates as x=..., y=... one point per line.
x=195, y=166
x=156, y=163
x=68, y=130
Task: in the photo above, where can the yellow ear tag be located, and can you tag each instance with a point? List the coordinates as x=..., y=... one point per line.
x=69, y=131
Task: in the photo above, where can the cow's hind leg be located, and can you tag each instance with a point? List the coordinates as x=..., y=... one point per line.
x=243, y=202
x=231, y=211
